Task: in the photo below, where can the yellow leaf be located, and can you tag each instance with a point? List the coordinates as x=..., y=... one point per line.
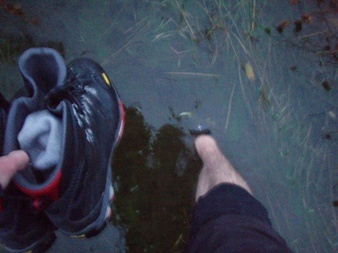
x=249, y=72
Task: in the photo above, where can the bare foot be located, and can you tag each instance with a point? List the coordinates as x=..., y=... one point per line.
x=216, y=167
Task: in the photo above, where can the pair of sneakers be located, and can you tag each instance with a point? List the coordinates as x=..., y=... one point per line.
x=69, y=124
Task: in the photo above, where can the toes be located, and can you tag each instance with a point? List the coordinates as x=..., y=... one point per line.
x=206, y=147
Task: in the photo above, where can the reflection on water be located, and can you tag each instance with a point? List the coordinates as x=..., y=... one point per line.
x=154, y=195
x=262, y=74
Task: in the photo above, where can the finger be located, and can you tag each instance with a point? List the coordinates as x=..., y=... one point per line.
x=10, y=164
x=20, y=159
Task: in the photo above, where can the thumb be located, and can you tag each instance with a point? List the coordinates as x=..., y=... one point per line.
x=10, y=164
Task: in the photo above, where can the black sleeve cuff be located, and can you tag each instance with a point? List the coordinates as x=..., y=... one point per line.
x=227, y=199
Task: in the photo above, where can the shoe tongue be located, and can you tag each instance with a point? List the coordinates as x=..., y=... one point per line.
x=41, y=137
x=44, y=68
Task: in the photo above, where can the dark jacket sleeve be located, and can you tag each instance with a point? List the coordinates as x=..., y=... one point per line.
x=229, y=219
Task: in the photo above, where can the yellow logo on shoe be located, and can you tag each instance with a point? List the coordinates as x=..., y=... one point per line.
x=106, y=79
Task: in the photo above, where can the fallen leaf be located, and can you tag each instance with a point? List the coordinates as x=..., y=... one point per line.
x=280, y=28
x=307, y=18
x=294, y=2
x=298, y=26
x=326, y=86
x=249, y=72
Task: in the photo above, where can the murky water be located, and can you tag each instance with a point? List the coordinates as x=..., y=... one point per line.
x=262, y=75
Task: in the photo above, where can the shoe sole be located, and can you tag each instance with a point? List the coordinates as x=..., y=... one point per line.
x=39, y=246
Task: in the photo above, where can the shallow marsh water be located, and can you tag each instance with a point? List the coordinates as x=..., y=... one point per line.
x=262, y=75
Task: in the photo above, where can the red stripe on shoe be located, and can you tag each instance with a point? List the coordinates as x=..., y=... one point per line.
x=51, y=191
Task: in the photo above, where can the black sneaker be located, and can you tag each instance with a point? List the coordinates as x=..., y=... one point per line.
x=21, y=228
x=4, y=107
x=76, y=192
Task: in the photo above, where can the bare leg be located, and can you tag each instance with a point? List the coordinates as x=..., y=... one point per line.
x=216, y=167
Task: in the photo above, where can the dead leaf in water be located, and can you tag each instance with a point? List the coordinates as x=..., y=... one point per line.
x=294, y=2
x=298, y=26
x=280, y=28
x=249, y=72
x=307, y=18
x=326, y=86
